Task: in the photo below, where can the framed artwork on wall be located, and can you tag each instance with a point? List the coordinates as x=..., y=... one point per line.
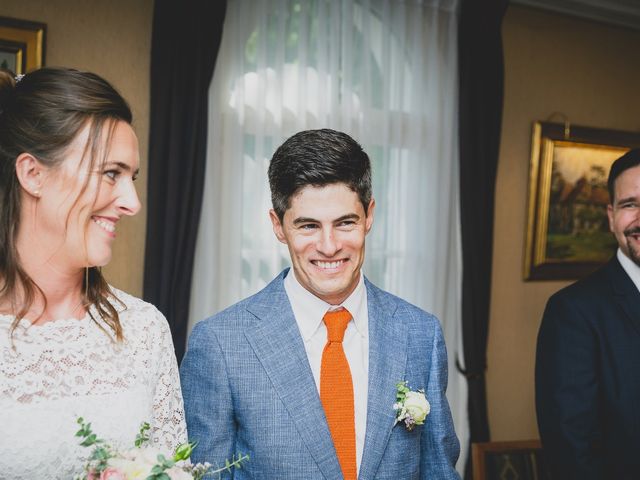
x=22, y=44
x=567, y=230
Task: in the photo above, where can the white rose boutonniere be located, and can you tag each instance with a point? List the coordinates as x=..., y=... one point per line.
x=411, y=406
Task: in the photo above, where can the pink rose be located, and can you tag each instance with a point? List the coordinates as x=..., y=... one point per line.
x=112, y=474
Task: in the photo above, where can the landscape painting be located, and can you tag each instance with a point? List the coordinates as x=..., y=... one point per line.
x=577, y=223
x=567, y=232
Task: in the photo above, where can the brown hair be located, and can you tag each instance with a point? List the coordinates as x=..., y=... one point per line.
x=41, y=114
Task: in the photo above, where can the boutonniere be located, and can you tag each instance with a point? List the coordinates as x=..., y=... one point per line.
x=411, y=406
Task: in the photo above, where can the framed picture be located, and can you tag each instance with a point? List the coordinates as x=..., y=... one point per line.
x=567, y=232
x=22, y=44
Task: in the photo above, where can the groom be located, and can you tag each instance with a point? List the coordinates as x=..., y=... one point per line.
x=303, y=375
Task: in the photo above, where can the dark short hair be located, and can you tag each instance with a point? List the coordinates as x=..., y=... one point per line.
x=318, y=158
x=628, y=160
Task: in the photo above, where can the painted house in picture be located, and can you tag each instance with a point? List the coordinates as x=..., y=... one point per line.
x=578, y=227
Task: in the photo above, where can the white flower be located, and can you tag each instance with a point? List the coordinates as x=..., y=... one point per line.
x=417, y=406
x=136, y=463
x=134, y=470
x=411, y=406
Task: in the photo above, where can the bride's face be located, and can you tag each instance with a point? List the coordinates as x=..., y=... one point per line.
x=80, y=206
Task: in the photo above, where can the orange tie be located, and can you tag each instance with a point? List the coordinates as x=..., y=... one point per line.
x=336, y=392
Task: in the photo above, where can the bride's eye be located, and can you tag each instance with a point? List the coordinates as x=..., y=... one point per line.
x=112, y=174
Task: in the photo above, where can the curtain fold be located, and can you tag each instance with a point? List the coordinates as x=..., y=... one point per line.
x=481, y=82
x=185, y=41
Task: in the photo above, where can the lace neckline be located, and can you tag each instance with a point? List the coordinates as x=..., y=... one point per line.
x=25, y=324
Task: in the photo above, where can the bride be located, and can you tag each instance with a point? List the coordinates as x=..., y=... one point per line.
x=70, y=344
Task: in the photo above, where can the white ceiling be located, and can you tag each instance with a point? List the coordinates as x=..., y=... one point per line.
x=617, y=12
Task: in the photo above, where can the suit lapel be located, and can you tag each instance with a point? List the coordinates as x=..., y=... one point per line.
x=278, y=345
x=625, y=292
x=387, y=364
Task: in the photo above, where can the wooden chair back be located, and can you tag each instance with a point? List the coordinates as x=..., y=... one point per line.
x=512, y=460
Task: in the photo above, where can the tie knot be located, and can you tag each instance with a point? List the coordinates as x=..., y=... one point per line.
x=336, y=322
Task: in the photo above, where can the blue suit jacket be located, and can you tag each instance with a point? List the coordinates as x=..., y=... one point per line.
x=248, y=388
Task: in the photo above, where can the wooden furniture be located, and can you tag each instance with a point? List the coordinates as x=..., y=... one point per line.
x=514, y=460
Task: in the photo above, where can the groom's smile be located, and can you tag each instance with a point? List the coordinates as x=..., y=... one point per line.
x=324, y=229
x=324, y=265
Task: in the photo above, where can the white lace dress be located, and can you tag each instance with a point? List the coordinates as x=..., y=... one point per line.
x=53, y=373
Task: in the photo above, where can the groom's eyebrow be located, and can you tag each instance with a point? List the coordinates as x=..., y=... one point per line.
x=349, y=216
x=300, y=220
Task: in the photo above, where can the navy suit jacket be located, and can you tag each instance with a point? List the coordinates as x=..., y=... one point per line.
x=588, y=378
x=248, y=388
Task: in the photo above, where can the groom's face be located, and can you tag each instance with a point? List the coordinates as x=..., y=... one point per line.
x=324, y=229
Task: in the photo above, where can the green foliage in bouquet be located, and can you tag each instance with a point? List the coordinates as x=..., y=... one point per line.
x=105, y=463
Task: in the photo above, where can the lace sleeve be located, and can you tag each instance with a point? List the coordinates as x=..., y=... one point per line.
x=168, y=428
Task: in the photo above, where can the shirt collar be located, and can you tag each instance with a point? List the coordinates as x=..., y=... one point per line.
x=630, y=267
x=311, y=309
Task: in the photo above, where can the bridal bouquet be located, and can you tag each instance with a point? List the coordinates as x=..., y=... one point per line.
x=142, y=462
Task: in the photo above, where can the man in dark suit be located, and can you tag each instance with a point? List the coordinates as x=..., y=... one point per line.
x=588, y=355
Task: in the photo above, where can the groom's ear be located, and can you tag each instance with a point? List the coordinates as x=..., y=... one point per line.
x=277, y=226
x=369, y=220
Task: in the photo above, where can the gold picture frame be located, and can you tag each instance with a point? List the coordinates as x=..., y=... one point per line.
x=567, y=231
x=22, y=44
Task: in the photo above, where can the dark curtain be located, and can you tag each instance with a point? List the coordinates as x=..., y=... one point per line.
x=185, y=42
x=481, y=79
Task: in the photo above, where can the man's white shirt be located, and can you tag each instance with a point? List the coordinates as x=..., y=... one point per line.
x=630, y=267
x=308, y=311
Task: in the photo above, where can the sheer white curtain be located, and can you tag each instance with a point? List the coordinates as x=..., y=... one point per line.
x=383, y=71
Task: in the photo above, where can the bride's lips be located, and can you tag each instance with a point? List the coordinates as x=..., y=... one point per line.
x=107, y=224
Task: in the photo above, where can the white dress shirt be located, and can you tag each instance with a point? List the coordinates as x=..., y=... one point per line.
x=630, y=267
x=308, y=311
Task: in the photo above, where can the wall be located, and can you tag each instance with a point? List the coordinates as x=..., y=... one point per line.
x=589, y=72
x=113, y=39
